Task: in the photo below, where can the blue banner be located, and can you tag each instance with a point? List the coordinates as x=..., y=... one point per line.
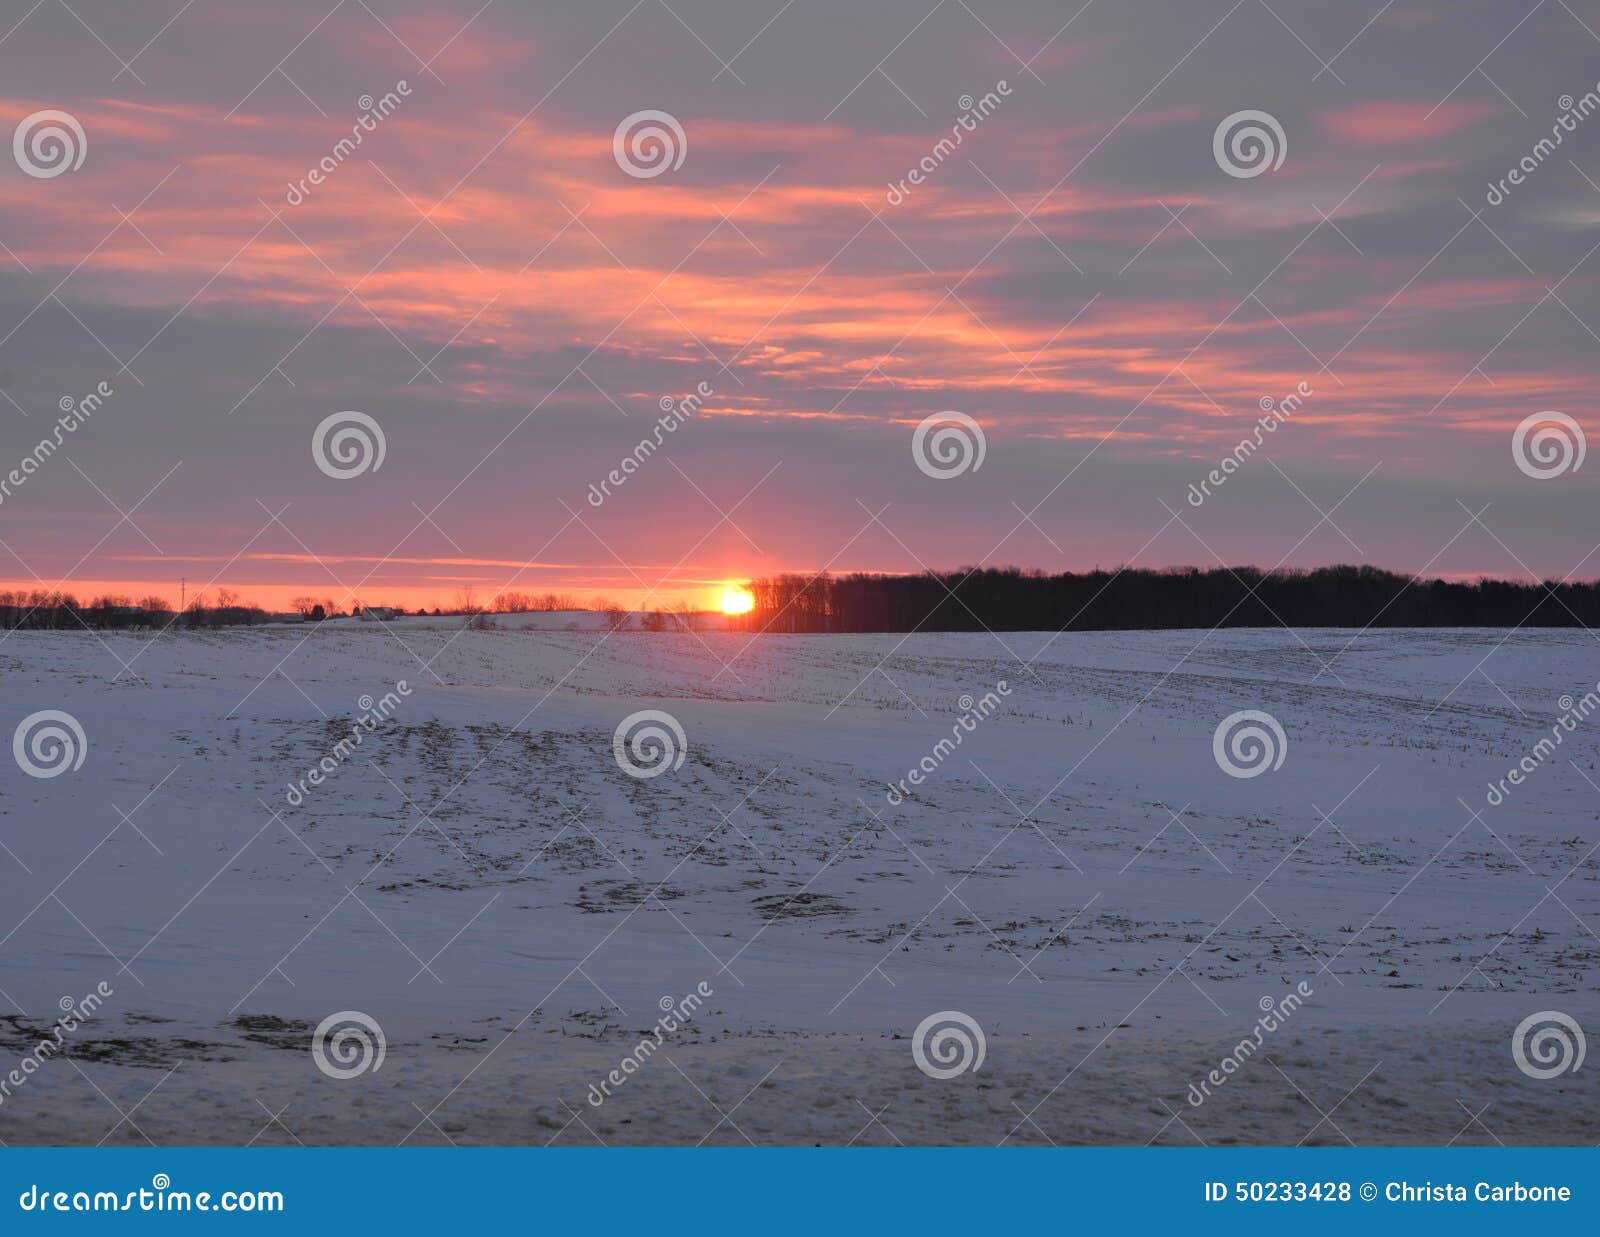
x=798, y=1190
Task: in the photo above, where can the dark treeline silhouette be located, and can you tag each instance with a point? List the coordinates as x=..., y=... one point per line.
x=42, y=610
x=1011, y=599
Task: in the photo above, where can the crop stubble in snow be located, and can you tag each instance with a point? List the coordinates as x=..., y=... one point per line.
x=511, y=906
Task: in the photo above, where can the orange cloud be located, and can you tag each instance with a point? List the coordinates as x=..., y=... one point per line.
x=1395, y=122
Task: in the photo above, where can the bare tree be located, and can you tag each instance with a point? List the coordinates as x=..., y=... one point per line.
x=614, y=615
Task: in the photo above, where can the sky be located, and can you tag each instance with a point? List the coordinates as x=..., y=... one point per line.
x=1103, y=287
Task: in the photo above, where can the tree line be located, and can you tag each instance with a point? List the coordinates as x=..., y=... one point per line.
x=54, y=609
x=1012, y=599
x=49, y=609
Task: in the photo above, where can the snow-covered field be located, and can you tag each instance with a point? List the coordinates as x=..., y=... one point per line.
x=1079, y=876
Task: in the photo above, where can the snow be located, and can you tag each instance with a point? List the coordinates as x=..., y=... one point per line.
x=1078, y=875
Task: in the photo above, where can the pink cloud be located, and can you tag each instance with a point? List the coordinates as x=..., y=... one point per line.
x=1392, y=122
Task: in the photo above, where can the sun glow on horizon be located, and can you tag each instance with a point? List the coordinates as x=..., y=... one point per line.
x=736, y=600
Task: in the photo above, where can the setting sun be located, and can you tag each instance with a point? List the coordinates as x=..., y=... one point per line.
x=735, y=600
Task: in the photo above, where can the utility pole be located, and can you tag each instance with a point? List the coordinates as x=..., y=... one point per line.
x=183, y=593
